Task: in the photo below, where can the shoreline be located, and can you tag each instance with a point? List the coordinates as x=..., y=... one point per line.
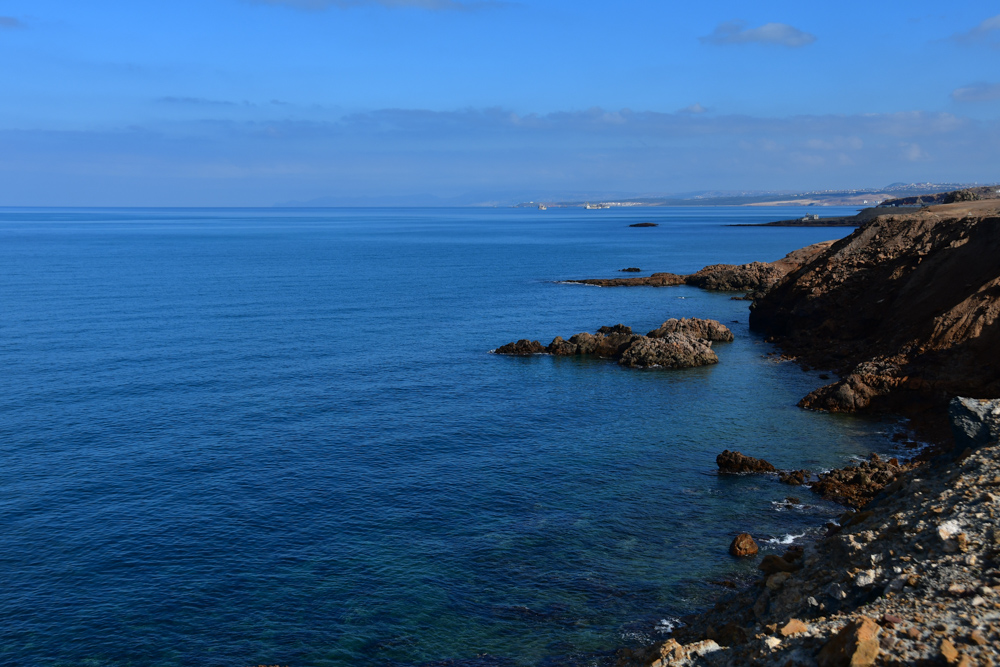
x=913, y=575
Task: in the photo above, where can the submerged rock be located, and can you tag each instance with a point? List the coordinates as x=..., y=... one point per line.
x=735, y=462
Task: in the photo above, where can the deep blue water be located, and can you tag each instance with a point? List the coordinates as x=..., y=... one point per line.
x=232, y=437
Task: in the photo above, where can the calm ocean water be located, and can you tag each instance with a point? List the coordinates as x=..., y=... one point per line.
x=233, y=437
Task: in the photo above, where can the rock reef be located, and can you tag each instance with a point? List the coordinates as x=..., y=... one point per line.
x=683, y=343
x=752, y=277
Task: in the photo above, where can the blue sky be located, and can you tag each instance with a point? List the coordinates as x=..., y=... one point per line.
x=256, y=102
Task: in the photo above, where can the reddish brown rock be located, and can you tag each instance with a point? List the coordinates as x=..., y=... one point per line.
x=854, y=646
x=735, y=462
x=856, y=485
x=793, y=627
x=743, y=545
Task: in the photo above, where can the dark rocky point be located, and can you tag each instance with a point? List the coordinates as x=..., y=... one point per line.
x=735, y=463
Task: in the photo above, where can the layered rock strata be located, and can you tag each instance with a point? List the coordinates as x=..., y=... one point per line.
x=683, y=343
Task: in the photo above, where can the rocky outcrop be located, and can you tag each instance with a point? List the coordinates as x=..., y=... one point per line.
x=655, y=280
x=698, y=328
x=677, y=344
x=906, y=309
x=672, y=350
x=521, y=348
x=631, y=269
x=857, y=485
x=737, y=463
x=753, y=277
x=736, y=278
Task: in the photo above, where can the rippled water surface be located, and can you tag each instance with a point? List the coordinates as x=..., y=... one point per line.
x=233, y=437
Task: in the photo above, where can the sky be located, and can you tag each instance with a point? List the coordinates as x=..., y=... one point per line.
x=270, y=102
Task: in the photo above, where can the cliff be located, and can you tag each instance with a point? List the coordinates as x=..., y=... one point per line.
x=905, y=309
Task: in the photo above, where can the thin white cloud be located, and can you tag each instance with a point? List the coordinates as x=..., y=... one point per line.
x=430, y=5
x=694, y=108
x=987, y=31
x=736, y=32
x=977, y=92
x=10, y=22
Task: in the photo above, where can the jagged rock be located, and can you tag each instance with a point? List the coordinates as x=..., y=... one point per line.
x=708, y=329
x=631, y=269
x=854, y=646
x=857, y=485
x=521, y=347
x=794, y=477
x=905, y=310
x=735, y=462
x=669, y=351
x=974, y=422
x=743, y=545
x=733, y=278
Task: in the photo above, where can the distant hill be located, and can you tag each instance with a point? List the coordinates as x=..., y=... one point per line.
x=896, y=192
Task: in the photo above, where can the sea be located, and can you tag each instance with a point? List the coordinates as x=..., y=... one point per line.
x=236, y=437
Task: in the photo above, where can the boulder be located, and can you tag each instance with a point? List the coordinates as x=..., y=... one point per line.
x=521, y=347
x=856, y=645
x=743, y=546
x=670, y=351
x=708, y=329
x=974, y=422
x=735, y=462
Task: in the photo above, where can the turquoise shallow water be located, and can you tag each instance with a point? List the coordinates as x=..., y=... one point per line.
x=234, y=437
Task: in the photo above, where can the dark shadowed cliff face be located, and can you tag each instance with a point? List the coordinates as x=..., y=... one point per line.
x=905, y=309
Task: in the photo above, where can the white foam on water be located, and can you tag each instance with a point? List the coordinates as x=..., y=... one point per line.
x=787, y=539
x=667, y=625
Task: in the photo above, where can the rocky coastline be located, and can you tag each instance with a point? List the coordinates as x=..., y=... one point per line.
x=905, y=310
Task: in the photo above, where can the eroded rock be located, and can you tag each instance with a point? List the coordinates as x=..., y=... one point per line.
x=735, y=462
